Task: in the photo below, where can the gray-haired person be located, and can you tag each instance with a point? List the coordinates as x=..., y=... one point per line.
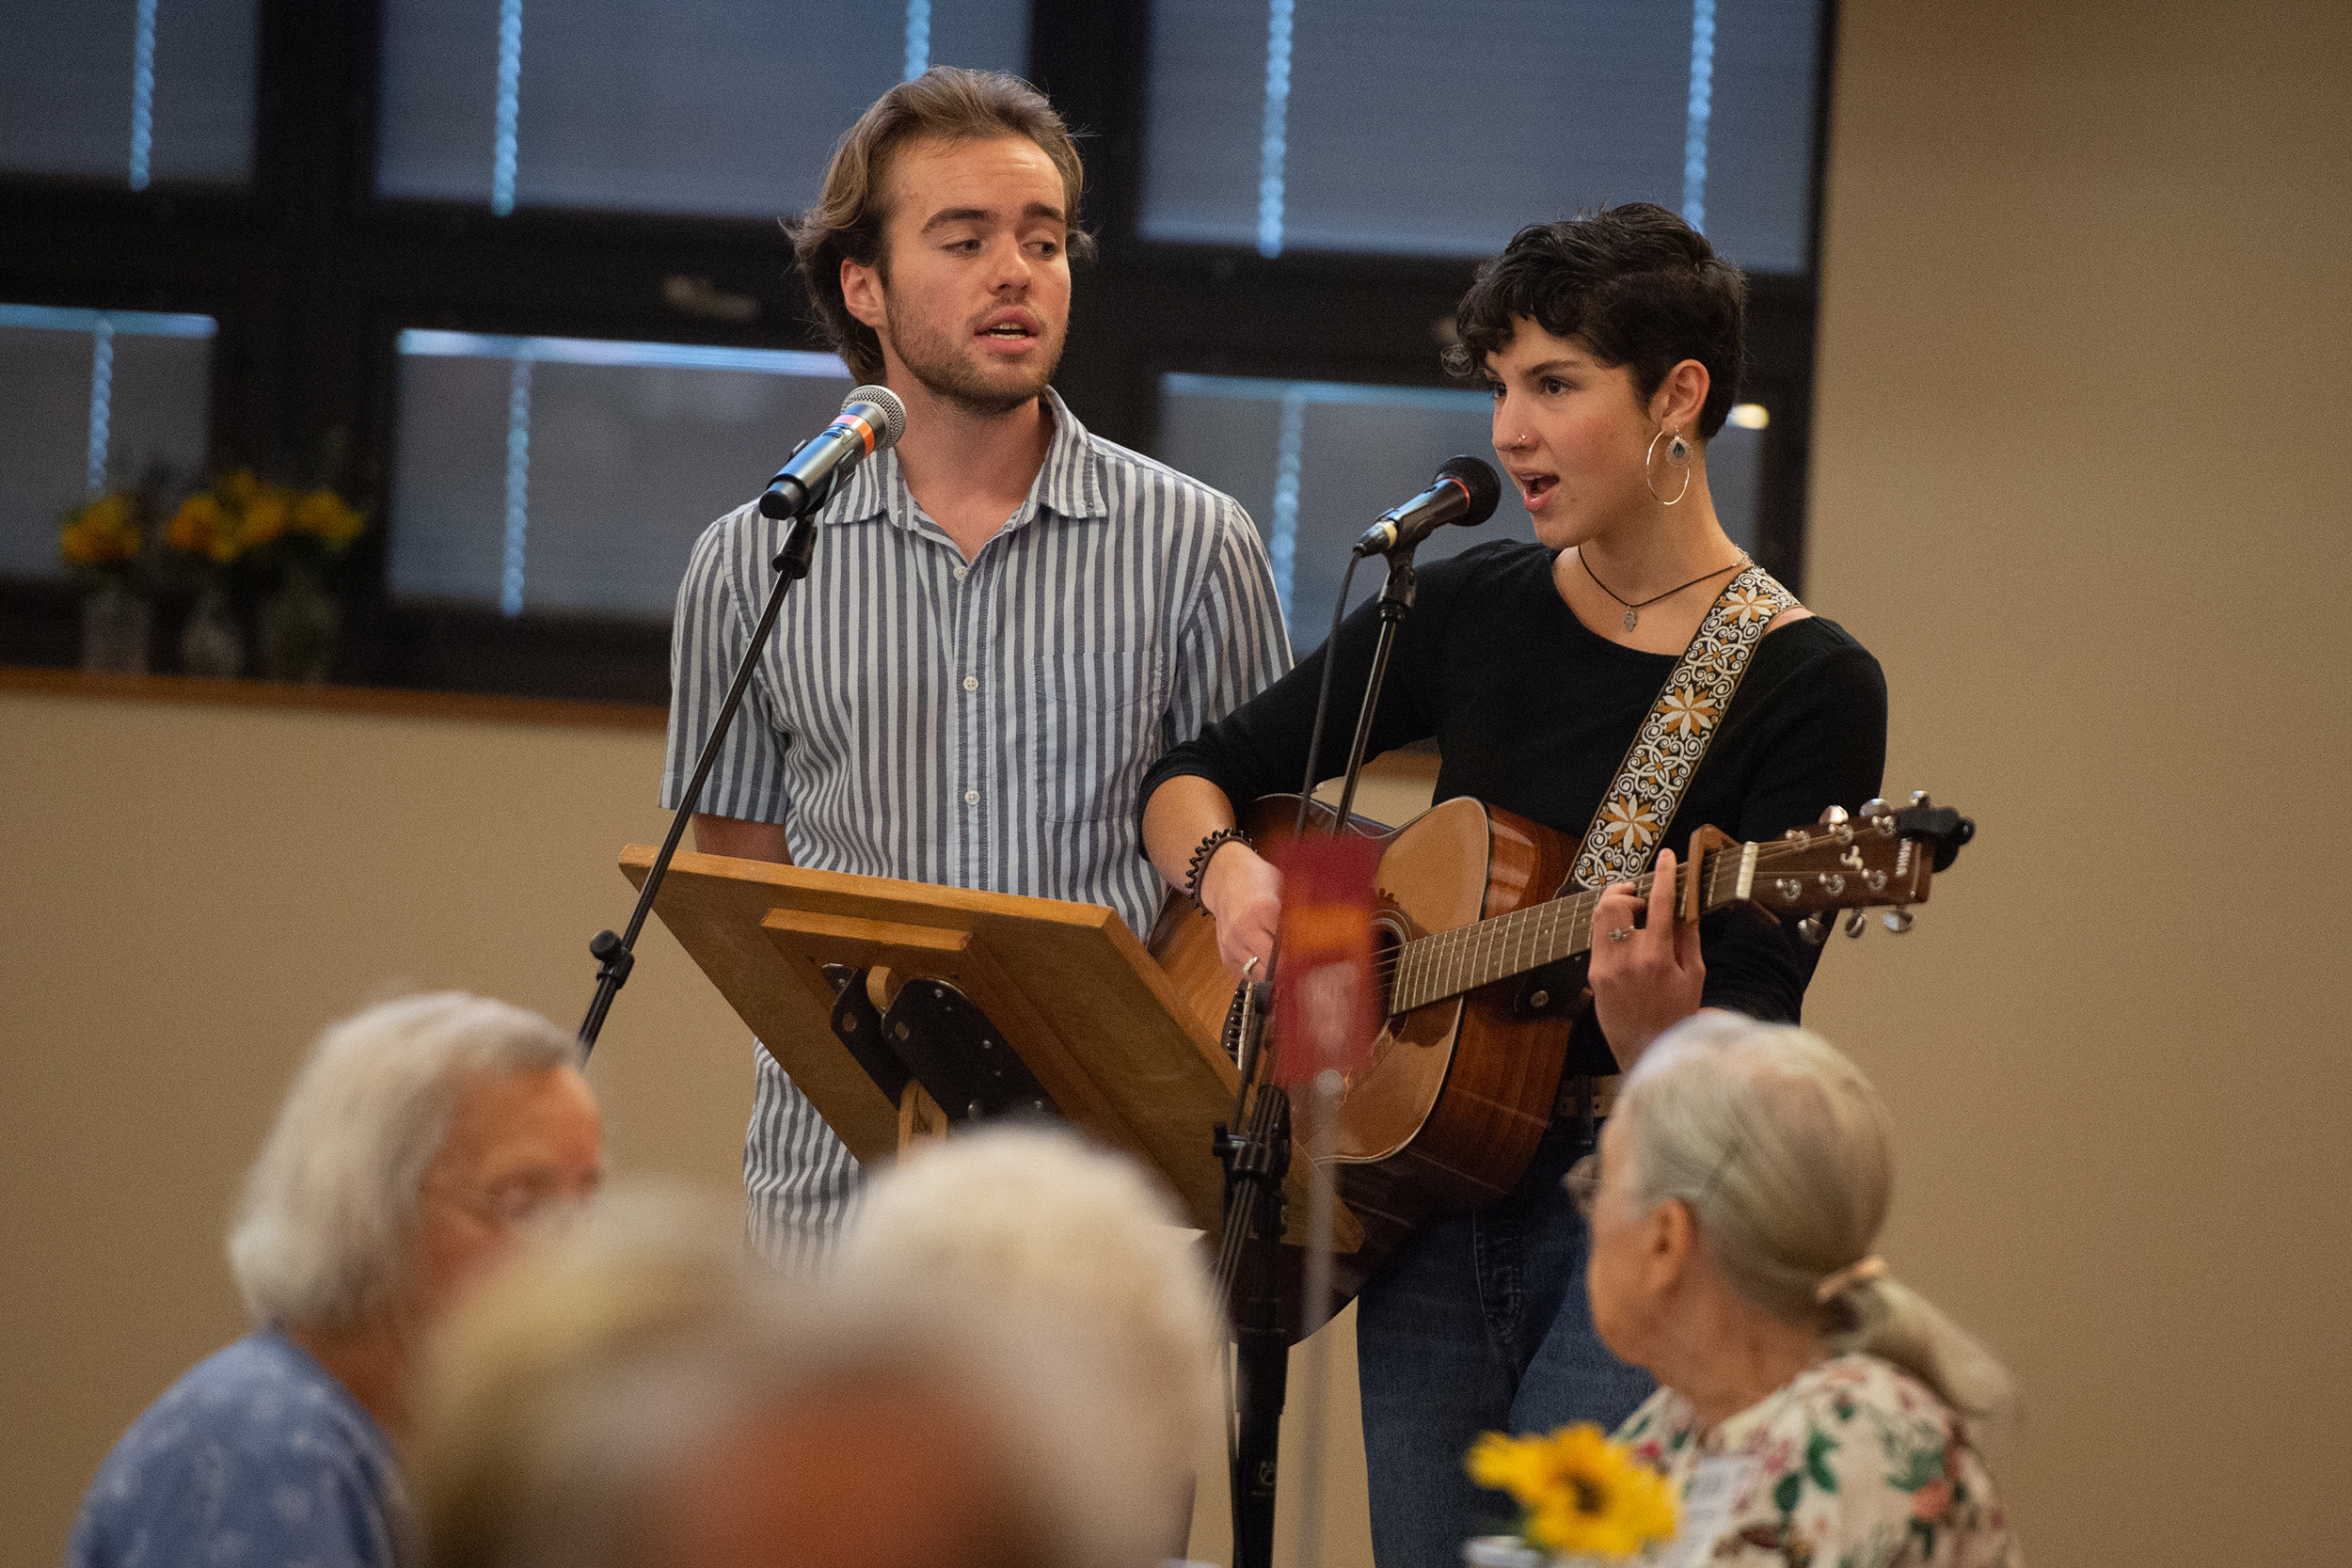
x=416, y=1141
x=636, y=1392
x=1828, y=1410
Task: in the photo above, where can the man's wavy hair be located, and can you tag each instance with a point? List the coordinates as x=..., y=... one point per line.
x=944, y=103
x=1635, y=284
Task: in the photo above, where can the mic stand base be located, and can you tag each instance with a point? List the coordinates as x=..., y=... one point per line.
x=1256, y=1159
x=1261, y=1383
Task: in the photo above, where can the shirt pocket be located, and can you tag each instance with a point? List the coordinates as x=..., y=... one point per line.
x=1098, y=715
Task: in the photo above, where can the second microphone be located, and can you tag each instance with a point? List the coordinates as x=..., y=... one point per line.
x=1465, y=491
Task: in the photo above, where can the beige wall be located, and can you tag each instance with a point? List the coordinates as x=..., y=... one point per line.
x=2082, y=386
x=195, y=891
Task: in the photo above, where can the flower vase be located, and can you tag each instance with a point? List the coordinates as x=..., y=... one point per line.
x=114, y=625
x=297, y=629
x=212, y=643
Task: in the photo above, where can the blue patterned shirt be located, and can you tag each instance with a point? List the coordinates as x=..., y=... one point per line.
x=256, y=1456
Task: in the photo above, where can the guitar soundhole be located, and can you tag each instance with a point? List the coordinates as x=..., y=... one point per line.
x=1388, y=939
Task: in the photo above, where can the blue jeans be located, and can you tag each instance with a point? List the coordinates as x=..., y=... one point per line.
x=1478, y=1323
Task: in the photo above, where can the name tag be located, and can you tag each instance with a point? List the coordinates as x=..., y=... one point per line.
x=1707, y=1499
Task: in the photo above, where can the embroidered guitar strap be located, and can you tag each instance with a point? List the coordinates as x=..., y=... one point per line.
x=1666, y=750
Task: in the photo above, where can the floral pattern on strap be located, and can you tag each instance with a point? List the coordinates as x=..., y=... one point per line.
x=1858, y=1465
x=1673, y=737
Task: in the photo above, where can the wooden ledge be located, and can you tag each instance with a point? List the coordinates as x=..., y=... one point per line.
x=290, y=697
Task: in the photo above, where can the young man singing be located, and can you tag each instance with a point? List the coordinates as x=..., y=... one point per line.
x=1008, y=619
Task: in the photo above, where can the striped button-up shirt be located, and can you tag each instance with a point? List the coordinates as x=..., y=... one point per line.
x=982, y=724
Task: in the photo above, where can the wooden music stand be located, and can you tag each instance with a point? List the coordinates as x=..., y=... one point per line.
x=1069, y=987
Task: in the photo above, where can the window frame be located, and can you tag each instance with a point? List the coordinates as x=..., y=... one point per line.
x=312, y=277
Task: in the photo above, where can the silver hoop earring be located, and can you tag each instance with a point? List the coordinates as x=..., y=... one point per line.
x=1678, y=456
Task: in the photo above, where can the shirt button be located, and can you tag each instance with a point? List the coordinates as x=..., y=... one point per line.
x=971, y=797
x=963, y=572
x=971, y=683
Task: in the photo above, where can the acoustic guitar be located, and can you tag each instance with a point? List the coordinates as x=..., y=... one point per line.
x=1482, y=974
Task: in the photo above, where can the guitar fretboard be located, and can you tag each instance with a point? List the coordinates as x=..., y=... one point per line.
x=1447, y=963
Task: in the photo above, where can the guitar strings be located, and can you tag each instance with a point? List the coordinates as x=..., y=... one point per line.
x=1473, y=947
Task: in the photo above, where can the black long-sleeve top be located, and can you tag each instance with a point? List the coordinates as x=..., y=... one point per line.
x=1532, y=711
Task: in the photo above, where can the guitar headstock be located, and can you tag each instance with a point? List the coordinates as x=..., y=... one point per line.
x=1881, y=856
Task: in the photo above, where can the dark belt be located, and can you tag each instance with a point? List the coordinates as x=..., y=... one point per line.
x=1584, y=1099
x=1582, y=1094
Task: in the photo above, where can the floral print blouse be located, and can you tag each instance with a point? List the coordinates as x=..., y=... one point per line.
x=1852, y=1464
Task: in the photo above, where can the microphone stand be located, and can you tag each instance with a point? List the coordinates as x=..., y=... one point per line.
x=1257, y=1153
x=1396, y=602
x=616, y=956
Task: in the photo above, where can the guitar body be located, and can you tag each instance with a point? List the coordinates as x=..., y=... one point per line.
x=1462, y=1078
x=1461, y=1090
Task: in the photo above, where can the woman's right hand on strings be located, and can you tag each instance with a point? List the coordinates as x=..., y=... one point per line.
x=1243, y=891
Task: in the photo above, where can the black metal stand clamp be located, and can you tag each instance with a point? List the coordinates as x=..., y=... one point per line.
x=934, y=1035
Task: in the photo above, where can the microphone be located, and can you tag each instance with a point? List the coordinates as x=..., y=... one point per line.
x=1464, y=492
x=871, y=419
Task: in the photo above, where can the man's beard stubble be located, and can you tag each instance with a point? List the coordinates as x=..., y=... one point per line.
x=931, y=358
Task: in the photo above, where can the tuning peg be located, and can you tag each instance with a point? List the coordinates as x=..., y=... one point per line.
x=1833, y=816
x=1919, y=797
x=1814, y=929
x=1855, y=921
x=1872, y=807
x=1899, y=921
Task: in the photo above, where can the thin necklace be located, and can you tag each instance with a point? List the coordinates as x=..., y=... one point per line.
x=1632, y=610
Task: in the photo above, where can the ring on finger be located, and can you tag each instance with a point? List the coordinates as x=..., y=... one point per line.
x=1618, y=933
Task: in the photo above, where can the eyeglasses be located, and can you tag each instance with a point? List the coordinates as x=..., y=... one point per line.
x=1582, y=1181
x=519, y=1201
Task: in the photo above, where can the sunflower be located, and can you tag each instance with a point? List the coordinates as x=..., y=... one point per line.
x=243, y=516
x=324, y=515
x=1578, y=1491
x=103, y=533
x=204, y=526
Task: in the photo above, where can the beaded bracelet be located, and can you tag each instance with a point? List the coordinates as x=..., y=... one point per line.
x=1201, y=856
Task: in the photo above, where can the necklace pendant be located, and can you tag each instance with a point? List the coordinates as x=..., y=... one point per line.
x=1632, y=619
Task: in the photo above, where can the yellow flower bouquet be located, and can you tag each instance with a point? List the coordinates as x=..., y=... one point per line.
x=244, y=518
x=274, y=537
x=109, y=545
x=1579, y=1494
x=103, y=537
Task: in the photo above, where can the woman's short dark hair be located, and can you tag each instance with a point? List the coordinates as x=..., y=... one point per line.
x=1635, y=284
x=946, y=103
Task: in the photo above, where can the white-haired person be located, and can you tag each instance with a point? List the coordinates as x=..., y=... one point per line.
x=1830, y=1411
x=416, y=1144
x=1079, y=1243
x=630, y=1394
